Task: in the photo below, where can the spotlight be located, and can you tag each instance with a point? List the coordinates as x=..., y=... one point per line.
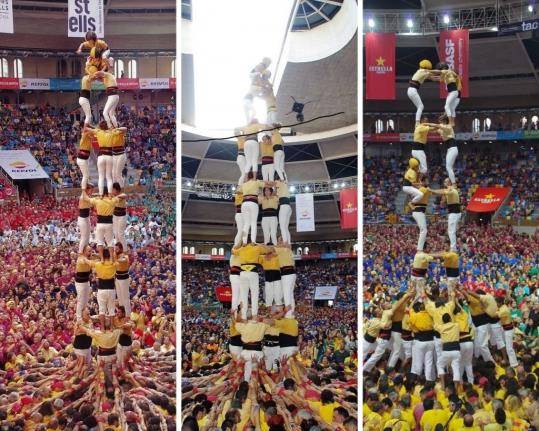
x=307, y=188
x=371, y=23
x=530, y=9
x=292, y=189
x=446, y=19
x=188, y=183
x=343, y=185
x=336, y=186
x=410, y=23
x=233, y=188
x=494, y=29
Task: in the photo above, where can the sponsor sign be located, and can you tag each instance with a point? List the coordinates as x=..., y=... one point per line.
x=325, y=293
x=304, y=212
x=21, y=165
x=487, y=199
x=154, y=83
x=84, y=16
x=6, y=16
x=34, y=84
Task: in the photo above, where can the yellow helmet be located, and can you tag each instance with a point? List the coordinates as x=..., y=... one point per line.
x=425, y=64
x=413, y=163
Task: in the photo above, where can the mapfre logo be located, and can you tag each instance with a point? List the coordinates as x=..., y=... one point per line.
x=349, y=208
x=158, y=83
x=380, y=67
x=18, y=164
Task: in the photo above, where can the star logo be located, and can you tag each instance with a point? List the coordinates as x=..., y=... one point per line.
x=489, y=196
x=380, y=61
x=349, y=205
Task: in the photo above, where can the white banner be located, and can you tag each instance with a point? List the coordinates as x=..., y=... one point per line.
x=325, y=293
x=154, y=83
x=34, y=83
x=304, y=212
x=6, y=16
x=84, y=16
x=202, y=257
x=21, y=165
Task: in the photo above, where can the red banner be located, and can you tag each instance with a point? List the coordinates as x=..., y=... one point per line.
x=455, y=50
x=223, y=293
x=9, y=84
x=487, y=199
x=128, y=83
x=349, y=209
x=380, y=65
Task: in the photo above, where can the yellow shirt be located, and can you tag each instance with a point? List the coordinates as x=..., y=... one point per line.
x=437, y=312
x=109, y=80
x=372, y=422
x=276, y=138
x=269, y=203
x=449, y=332
x=421, y=260
x=372, y=327
x=269, y=263
x=287, y=326
x=100, y=44
x=251, y=332
x=106, y=340
x=504, y=313
x=286, y=258
x=251, y=130
x=431, y=418
x=456, y=424
x=235, y=260
x=104, y=270
x=420, y=133
x=411, y=175
x=282, y=190
x=420, y=322
x=397, y=425
x=266, y=150
x=85, y=142
x=84, y=203
x=452, y=196
x=425, y=199
x=249, y=254
x=238, y=199
x=251, y=187
x=104, y=206
x=105, y=138
x=408, y=416
x=241, y=143
x=462, y=319
x=83, y=264
x=326, y=410
x=421, y=75
x=451, y=259
x=118, y=138
x=446, y=132
x=122, y=265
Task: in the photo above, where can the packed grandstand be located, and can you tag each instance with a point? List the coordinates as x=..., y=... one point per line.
x=450, y=246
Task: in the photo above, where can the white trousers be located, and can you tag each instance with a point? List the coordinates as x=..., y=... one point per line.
x=104, y=171
x=287, y=352
x=421, y=220
x=85, y=353
x=451, y=358
x=466, y=357
x=438, y=354
x=452, y=225
x=87, y=109
x=118, y=164
x=422, y=358
x=83, y=295
x=481, y=343
x=249, y=282
x=396, y=348
x=268, y=172
x=122, y=292
x=119, y=223
x=239, y=225
x=278, y=161
x=240, y=160
x=416, y=194
x=450, y=158
x=451, y=102
x=248, y=356
x=381, y=347
x=497, y=335
x=269, y=228
x=508, y=335
x=83, y=166
x=271, y=355
x=407, y=349
x=109, y=111
x=413, y=95
x=104, y=234
x=289, y=282
x=235, y=350
x=235, y=285
x=83, y=223
x=422, y=157
x=123, y=353
x=251, y=156
x=273, y=292
x=106, y=299
x=285, y=212
x=249, y=212
x=368, y=348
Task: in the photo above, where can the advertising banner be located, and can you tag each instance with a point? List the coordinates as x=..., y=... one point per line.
x=6, y=16
x=348, y=199
x=325, y=293
x=487, y=199
x=380, y=66
x=21, y=165
x=34, y=84
x=128, y=83
x=455, y=51
x=84, y=16
x=154, y=83
x=9, y=84
x=304, y=212
x=223, y=293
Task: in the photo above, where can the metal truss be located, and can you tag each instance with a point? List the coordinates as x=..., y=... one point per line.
x=220, y=190
x=68, y=54
x=432, y=22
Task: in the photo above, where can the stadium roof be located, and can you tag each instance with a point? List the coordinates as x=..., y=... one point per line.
x=129, y=24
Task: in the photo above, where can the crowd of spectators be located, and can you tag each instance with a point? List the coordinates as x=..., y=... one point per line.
x=382, y=181
x=201, y=278
x=52, y=135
